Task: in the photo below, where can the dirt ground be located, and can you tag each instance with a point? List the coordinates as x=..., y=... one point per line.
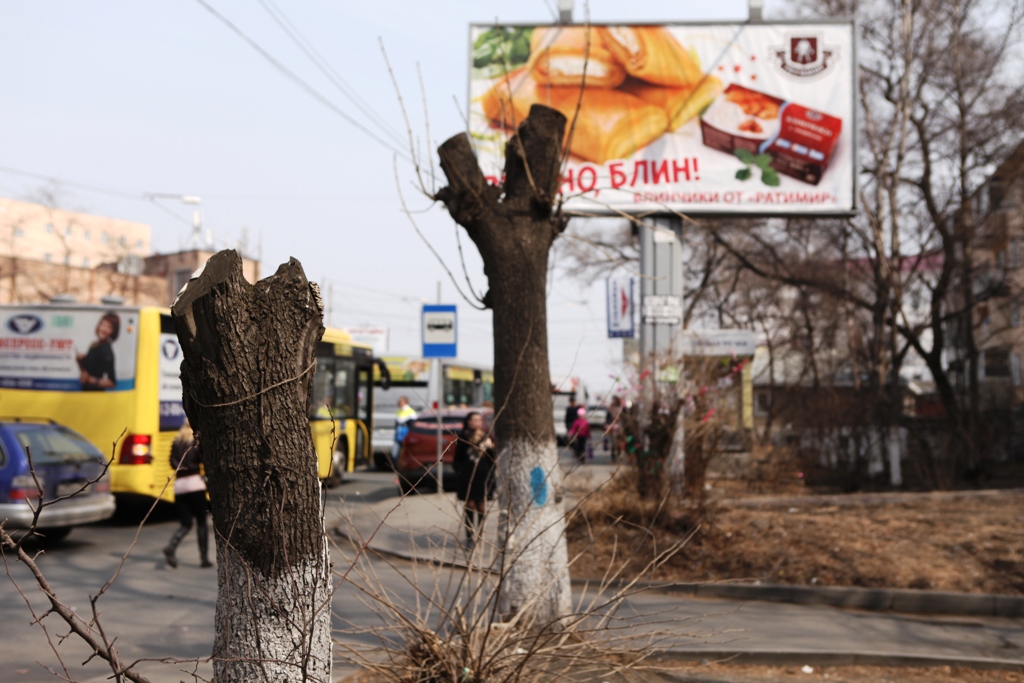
x=749, y=673
x=969, y=544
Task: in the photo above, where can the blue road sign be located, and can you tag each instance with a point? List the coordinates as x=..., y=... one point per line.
x=440, y=331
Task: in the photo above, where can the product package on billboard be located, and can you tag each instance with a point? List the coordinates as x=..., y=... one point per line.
x=687, y=118
x=799, y=140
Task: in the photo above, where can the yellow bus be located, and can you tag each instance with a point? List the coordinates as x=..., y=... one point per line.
x=112, y=373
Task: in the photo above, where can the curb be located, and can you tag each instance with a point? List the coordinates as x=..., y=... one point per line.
x=793, y=657
x=899, y=600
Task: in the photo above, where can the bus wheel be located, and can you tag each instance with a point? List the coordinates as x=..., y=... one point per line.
x=339, y=463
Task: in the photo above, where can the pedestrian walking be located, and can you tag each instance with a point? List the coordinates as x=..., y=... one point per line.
x=189, y=495
x=613, y=427
x=579, y=434
x=474, y=468
x=570, y=413
x=403, y=417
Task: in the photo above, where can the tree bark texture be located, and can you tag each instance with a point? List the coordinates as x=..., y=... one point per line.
x=513, y=227
x=248, y=363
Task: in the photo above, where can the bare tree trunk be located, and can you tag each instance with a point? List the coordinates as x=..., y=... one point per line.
x=513, y=227
x=248, y=363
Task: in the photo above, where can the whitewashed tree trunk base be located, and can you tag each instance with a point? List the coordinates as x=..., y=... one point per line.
x=296, y=606
x=533, y=528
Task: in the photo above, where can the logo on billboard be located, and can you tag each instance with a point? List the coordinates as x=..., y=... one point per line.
x=24, y=323
x=806, y=56
x=170, y=349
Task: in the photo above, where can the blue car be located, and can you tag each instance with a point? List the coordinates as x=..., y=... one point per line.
x=65, y=465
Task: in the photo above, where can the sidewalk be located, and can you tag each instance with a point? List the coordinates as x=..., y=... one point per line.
x=428, y=529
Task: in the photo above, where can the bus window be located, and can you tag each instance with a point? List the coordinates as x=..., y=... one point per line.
x=321, y=395
x=458, y=392
x=344, y=390
x=333, y=394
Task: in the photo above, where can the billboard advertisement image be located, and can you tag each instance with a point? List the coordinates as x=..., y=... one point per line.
x=68, y=350
x=719, y=118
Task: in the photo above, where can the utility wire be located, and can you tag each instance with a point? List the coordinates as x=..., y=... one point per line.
x=297, y=80
x=307, y=47
x=125, y=194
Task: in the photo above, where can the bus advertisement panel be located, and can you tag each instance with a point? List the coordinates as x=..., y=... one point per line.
x=172, y=412
x=68, y=349
x=713, y=118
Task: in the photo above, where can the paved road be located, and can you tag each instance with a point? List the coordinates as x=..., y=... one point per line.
x=157, y=612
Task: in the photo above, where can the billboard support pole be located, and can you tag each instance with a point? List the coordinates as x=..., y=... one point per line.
x=661, y=267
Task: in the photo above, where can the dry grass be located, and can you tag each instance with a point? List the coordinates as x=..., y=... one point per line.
x=968, y=545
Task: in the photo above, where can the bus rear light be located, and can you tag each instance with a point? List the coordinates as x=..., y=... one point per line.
x=136, y=450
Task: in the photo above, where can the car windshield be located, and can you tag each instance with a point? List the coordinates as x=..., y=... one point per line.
x=56, y=445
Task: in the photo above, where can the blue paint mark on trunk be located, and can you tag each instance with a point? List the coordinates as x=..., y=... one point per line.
x=538, y=480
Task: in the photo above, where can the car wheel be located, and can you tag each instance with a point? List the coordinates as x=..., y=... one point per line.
x=382, y=462
x=53, y=534
x=406, y=487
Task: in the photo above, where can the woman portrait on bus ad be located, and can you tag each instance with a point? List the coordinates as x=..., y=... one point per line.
x=96, y=367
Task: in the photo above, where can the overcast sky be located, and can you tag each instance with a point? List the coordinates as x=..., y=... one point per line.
x=136, y=97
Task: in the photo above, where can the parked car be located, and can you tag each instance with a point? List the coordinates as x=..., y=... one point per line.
x=417, y=462
x=65, y=464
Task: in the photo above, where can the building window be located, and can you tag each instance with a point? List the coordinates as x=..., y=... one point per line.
x=67, y=231
x=181, y=278
x=122, y=241
x=86, y=235
x=1015, y=252
x=106, y=238
x=138, y=244
x=85, y=262
x=997, y=363
x=47, y=257
x=18, y=232
x=1014, y=312
x=49, y=227
x=1001, y=258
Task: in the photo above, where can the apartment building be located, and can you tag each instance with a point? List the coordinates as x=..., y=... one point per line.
x=71, y=238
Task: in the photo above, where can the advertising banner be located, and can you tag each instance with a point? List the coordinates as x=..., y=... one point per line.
x=754, y=119
x=619, y=293
x=172, y=413
x=403, y=369
x=54, y=349
x=374, y=337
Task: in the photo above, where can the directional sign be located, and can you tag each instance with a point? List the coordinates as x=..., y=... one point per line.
x=662, y=309
x=440, y=331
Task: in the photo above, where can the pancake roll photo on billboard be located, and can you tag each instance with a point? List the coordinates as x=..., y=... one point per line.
x=716, y=118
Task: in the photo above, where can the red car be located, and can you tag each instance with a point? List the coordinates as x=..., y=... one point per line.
x=417, y=461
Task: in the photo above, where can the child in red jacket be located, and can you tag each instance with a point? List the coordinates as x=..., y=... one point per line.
x=579, y=435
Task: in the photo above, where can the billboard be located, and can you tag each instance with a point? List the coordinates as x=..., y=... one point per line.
x=754, y=119
x=81, y=349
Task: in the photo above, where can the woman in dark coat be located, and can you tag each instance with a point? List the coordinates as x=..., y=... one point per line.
x=474, y=466
x=189, y=495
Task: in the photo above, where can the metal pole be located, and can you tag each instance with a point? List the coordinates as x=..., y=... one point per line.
x=440, y=409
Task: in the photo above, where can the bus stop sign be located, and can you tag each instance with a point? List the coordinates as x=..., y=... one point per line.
x=439, y=331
